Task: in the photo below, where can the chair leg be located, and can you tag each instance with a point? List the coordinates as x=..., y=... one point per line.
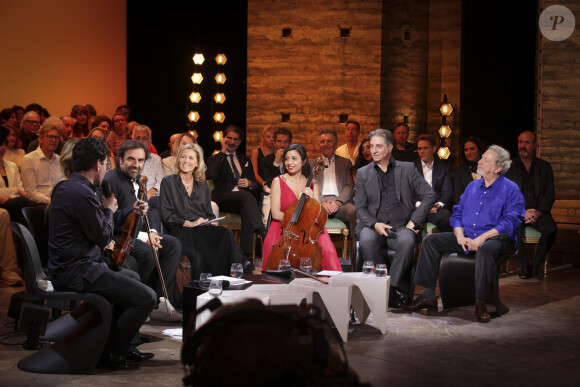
x=345, y=244
x=546, y=267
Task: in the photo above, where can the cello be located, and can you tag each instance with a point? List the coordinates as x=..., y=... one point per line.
x=302, y=224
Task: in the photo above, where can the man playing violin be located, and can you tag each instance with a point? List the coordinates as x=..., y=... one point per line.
x=80, y=226
x=124, y=184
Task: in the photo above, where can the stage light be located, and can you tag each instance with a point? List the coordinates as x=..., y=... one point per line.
x=196, y=78
x=195, y=97
x=218, y=135
x=221, y=59
x=445, y=131
x=219, y=117
x=198, y=59
x=446, y=108
x=193, y=116
x=443, y=153
x=220, y=78
x=219, y=98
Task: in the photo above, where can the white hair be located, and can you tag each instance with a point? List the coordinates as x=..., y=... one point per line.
x=503, y=160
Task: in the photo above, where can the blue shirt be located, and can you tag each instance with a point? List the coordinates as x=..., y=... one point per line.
x=481, y=208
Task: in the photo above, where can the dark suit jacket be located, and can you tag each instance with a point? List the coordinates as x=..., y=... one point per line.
x=461, y=179
x=268, y=170
x=543, y=182
x=343, y=175
x=442, y=182
x=410, y=186
x=219, y=170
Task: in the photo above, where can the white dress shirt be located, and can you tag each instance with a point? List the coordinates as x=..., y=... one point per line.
x=153, y=169
x=329, y=178
x=39, y=174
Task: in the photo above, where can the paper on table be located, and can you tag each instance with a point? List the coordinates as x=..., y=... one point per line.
x=210, y=221
x=329, y=273
x=231, y=280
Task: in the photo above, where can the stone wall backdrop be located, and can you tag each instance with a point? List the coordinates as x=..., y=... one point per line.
x=559, y=106
x=312, y=61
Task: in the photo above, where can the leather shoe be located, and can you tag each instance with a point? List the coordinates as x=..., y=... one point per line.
x=481, y=313
x=116, y=363
x=397, y=297
x=421, y=303
x=525, y=273
x=136, y=355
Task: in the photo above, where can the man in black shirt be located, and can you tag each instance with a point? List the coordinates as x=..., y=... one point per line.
x=535, y=178
x=80, y=227
x=403, y=150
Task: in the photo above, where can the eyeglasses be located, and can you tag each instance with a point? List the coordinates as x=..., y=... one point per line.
x=53, y=138
x=32, y=122
x=234, y=139
x=120, y=120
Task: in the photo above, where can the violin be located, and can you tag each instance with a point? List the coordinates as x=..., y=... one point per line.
x=302, y=224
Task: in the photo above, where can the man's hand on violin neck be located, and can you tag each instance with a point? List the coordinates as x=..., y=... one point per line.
x=110, y=203
x=141, y=207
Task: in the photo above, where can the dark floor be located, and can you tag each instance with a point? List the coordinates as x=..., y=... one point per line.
x=536, y=343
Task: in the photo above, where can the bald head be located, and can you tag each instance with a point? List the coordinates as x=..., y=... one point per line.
x=526, y=145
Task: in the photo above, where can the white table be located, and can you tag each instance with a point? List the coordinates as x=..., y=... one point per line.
x=366, y=293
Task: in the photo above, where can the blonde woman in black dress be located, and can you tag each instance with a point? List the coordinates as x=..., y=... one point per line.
x=185, y=204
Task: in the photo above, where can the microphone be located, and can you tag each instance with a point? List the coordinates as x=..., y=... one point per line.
x=106, y=187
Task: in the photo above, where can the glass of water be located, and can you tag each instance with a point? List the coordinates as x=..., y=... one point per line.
x=215, y=288
x=381, y=270
x=306, y=264
x=237, y=270
x=368, y=267
x=204, y=280
x=284, y=265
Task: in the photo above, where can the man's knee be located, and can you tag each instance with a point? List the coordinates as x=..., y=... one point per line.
x=406, y=240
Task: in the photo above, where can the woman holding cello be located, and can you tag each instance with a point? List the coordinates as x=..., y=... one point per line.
x=287, y=189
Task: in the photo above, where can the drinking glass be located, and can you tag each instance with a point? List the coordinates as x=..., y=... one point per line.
x=306, y=264
x=215, y=288
x=237, y=270
x=381, y=270
x=368, y=267
x=284, y=265
x=204, y=280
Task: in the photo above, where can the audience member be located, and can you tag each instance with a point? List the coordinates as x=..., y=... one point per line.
x=265, y=148
x=69, y=124
x=81, y=114
x=13, y=152
x=473, y=147
x=117, y=134
x=103, y=122
x=437, y=173
x=185, y=204
x=91, y=111
x=41, y=168
x=385, y=195
x=169, y=152
x=100, y=133
x=29, y=127
x=8, y=119
x=535, y=180
x=287, y=189
x=11, y=273
x=66, y=158
x=403, y=149
x=364, y=156
x=153, y=168
x=335, y=182
x=485, y=224
x=34, y=144
x=169, y=163
x=350, y=150
x=125, y=111
x=19, y=110
x=235, y=184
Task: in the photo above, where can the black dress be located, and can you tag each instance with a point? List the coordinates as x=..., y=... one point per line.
x=210, y=249
x=461, y=178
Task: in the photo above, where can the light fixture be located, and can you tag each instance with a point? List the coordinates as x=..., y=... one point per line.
x=221, y=59
x=196, y=78
x=198, y=59
x=193, y=116
x=219, y=117
x=443, y=153
x=215, y=152
x=195, y=97
x=446, y=108
x=193, y=133
x=219, y=98
x=445, y=131
x=218, y=135
x=220, y=78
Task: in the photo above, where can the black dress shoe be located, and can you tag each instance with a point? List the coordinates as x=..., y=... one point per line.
x=481, y=313
x=524, y=273
x=534, y=273
x=116, y=363
x=136, y=355
x=397, y=297
x=421, y=303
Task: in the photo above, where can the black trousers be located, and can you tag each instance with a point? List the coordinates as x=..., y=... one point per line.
x=169, y=257
x=486, y=256
x=546, y=225
x=14, y=207
x=132, y=303
x=245, y=204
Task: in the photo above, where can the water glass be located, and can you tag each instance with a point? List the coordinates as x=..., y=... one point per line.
x=215, y=288
x=381, y=270
x=306, y=264
x=204, y=280
x=237, y=270
x=284, y=265
x=368, y=267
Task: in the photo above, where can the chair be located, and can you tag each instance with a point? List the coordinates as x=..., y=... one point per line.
x=37, y=220
x=532, y=236
x=457, y=281
x=80, y=336
x=336, y=226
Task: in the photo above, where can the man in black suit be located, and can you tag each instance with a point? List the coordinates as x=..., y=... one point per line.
x=403, y=150
x=438, y=175
x=235, y=186
x=535, y=179
x=271, y=165
x=123, y=181
x=385, y=194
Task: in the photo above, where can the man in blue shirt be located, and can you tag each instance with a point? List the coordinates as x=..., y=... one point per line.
x=485, y=223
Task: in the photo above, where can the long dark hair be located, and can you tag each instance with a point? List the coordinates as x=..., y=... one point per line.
x=302, y=152
x=477, y=141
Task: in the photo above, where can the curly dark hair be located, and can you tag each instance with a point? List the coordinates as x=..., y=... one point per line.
x=302, y=152
x=131, y=144
x=87, y=152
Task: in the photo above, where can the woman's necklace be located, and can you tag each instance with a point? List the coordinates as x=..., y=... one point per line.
x=187, y=184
